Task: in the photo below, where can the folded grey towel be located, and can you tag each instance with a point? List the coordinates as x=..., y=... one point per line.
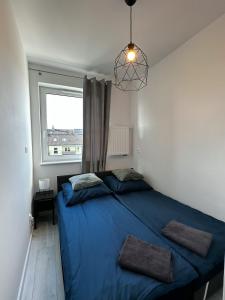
x=195, y=240
x=142, y=257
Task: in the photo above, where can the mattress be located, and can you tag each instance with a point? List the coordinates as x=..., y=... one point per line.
x=91, y=236
x=155, y=210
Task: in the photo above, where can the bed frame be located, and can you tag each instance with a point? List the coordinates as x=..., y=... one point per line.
x=65, y=178
x=203, y=288
x=185, y=293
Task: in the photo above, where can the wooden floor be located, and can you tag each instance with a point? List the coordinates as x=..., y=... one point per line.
x=43, y=280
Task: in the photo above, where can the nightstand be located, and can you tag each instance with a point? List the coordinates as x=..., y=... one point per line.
x=43, y=201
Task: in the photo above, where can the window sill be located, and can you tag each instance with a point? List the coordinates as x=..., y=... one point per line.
x=46, y=163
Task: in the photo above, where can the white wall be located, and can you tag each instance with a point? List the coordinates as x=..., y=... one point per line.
x=15, y=164
x=180, y=123
x=120, y=115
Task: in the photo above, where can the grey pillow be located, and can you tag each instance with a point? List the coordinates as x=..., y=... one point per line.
x=127, y=174
x=83, y=181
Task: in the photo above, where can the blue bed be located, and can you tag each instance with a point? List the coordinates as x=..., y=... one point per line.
x=91, y=235
x=155, y=210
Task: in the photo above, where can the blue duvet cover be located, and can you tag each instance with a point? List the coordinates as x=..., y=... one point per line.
x=91, y=235
x=155, y=210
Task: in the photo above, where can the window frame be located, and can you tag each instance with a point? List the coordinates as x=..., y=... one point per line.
x=43, y=91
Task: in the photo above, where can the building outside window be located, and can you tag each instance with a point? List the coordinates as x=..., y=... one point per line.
x=61, y=125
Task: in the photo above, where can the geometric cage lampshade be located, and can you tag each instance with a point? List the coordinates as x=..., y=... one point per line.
x=131, y=75
x=131, y=65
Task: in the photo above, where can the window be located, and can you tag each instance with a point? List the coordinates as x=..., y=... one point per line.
x=61, y=125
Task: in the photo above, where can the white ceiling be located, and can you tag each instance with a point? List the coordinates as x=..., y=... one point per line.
x=88, y=34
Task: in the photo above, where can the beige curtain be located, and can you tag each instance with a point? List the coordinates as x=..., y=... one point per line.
x=96, y=113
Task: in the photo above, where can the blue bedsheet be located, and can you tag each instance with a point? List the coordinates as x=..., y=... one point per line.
x=156, y=210
x=91, y=235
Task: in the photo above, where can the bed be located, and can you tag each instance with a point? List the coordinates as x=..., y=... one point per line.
x=155, y=210
x=91, y=235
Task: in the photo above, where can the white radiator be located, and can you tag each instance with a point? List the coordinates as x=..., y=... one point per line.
x=119, y=141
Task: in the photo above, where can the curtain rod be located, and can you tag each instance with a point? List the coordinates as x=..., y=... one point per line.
x=60, y=74
x=55, y=73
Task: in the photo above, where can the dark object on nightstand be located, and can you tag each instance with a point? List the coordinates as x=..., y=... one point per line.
x=43, y=201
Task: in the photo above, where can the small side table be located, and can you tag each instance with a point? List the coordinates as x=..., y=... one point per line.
x=43, y=201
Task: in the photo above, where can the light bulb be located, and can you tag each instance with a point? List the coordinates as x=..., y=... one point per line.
x=131, y=55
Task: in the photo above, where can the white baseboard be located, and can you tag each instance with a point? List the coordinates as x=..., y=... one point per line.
x=19, y=295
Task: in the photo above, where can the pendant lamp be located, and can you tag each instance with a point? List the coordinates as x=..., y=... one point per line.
x=131, y=65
